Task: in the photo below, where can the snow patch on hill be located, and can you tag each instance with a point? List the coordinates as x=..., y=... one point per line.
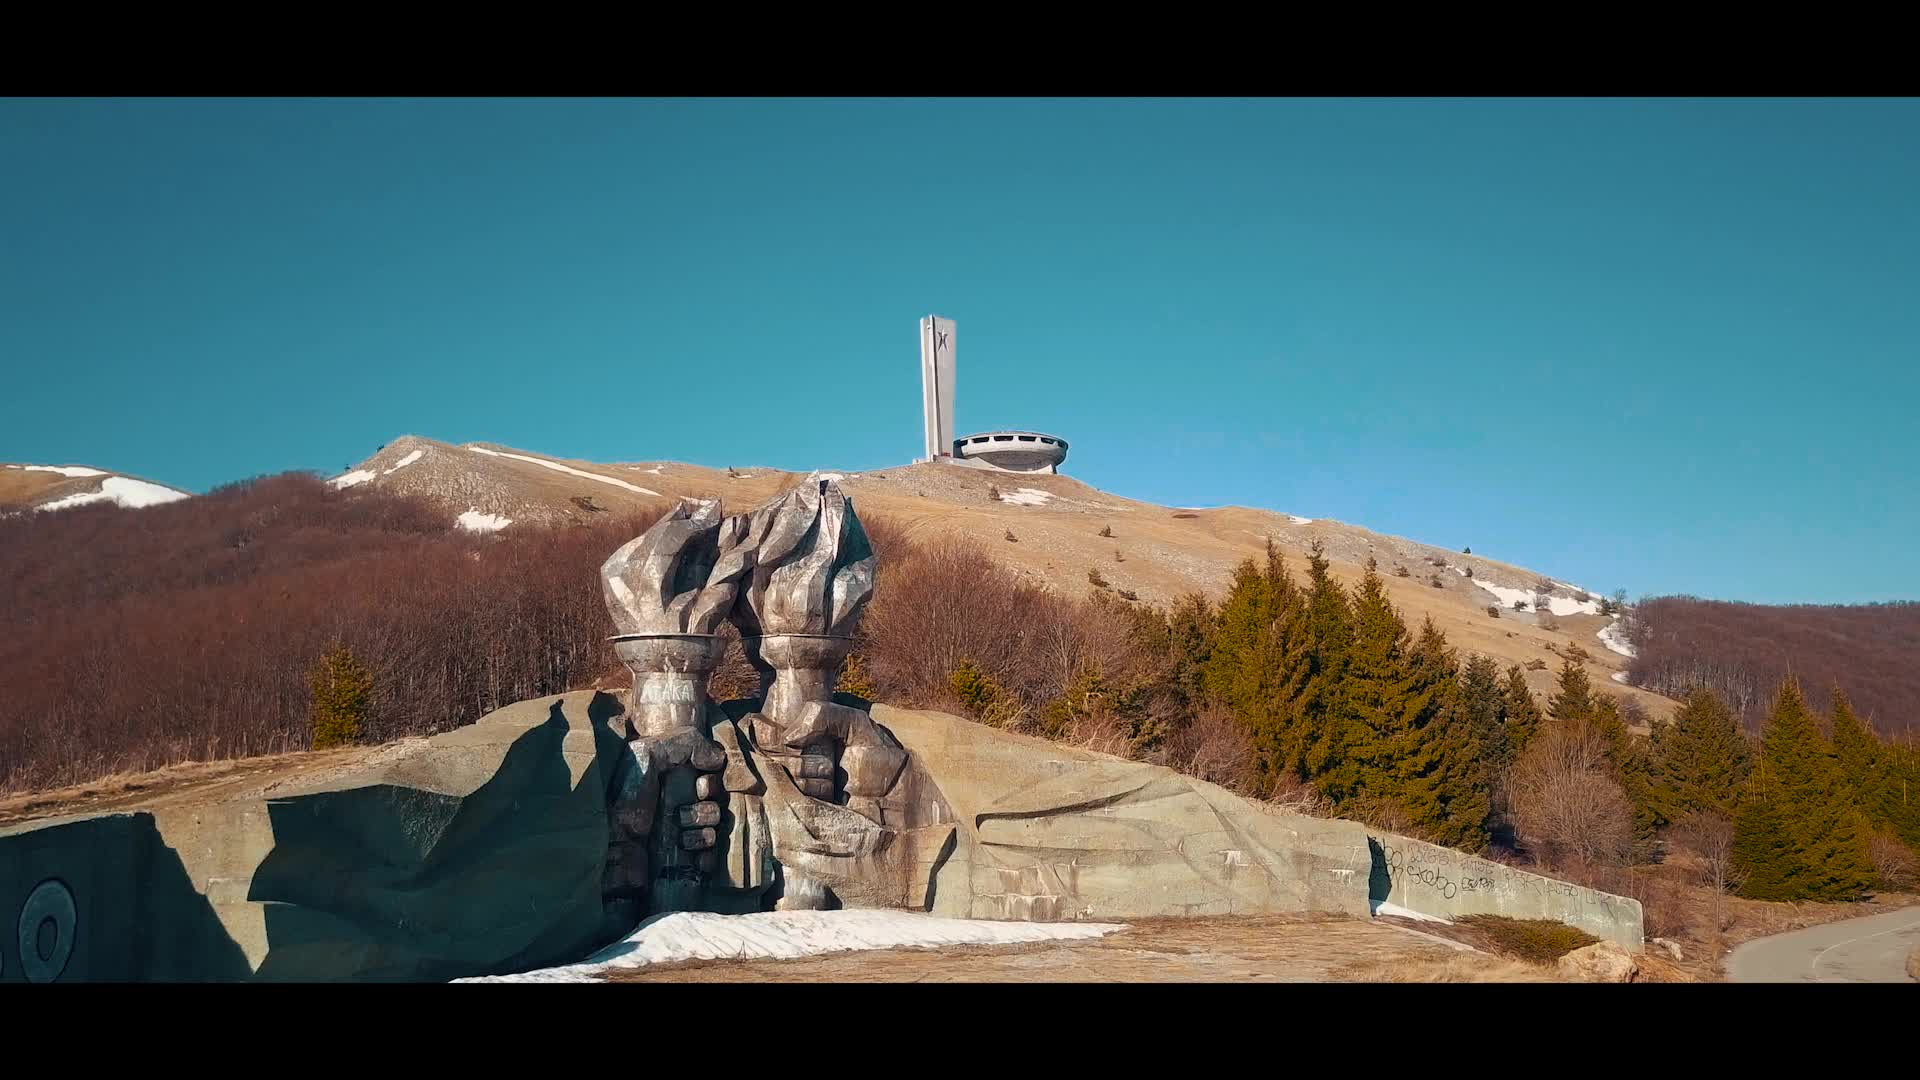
x=404, y=462
x=64, y=470
x=786, y=935
x=122, y=490
x=1611, y=636
x=1027, y=497
x=347, y=480
x=1298, y=520
x=568, y=469
x=479, y=521
x=1559, y=605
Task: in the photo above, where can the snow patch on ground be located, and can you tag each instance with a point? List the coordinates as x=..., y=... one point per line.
x=1559, y=605
x=347, y=480
x=404, y=462
x=1611, y=636
x=1618, y=676
x=1298, y=520
x=557, y=467
x=1384, y=908
x=786, y=935
x=1027, y=497
x=64, y=470
x=480, y=521
x=1576, y=589
x=121, y=490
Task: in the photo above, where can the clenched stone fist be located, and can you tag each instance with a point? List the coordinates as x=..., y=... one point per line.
x=666, y=815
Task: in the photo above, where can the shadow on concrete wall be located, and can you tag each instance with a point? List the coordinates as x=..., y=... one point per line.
x=395, y=883
x=134, y=914
x=1379, y=877
x=180, y=937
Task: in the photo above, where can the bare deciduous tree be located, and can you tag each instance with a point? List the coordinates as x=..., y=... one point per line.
x=1894, y=862
x=1743, y=650
x=1566, y=806
x=1709, y=837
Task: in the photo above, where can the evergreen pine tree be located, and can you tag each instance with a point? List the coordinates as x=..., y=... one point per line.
x=1328, y=638
x=1191, y=626
x=1900, y=792
x=1632, y=767
x=1765, y=856
x=1574, y=699
x=1825, y=857
x=1232, y=672
x=1856, y=750
x=1445, y=778
x=1483, y=703
x=1700, y=758
x=342, y=698
x=1287, y=659
x=1840, y=863
x=1373, y=706
x=1258, y=660
x=1520, y=714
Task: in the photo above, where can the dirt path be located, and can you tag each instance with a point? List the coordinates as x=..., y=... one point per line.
x=1226, y=949
x=1871, y=949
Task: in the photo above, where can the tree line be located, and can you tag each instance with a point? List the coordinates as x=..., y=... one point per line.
x=195, y=630
x=1743, y=651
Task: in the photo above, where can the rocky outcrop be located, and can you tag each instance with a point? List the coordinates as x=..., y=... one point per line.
x=1603, y=962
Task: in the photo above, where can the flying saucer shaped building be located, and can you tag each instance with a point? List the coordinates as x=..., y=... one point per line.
x=1013, y=451
x=1007, y=451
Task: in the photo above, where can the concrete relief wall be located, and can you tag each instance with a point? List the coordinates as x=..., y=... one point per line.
x=1445, y=883
x=483, y=851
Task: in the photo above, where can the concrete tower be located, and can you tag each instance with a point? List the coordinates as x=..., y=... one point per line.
x=936, y=385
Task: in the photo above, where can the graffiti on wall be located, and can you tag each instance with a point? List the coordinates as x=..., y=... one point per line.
x=1451, y=876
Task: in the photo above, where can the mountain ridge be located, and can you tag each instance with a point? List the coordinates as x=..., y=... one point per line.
x=1047, y=528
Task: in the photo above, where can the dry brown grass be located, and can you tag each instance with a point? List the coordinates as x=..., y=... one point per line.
x=1538, y=941
x=19, y=487
x=1457, y=968
x=192, y=783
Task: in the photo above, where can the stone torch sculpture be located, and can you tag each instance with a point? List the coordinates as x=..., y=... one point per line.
x=830, y=801
x=668, y=591
x=803, y=800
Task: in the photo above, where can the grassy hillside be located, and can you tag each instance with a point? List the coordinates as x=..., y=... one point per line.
x=1051, y=531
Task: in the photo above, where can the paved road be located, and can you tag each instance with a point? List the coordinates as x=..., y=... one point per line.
x=1873, y=949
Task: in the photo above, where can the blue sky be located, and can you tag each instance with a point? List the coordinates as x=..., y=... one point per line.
x=1666, y=346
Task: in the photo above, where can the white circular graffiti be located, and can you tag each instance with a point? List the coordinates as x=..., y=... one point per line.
x=47, y=923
